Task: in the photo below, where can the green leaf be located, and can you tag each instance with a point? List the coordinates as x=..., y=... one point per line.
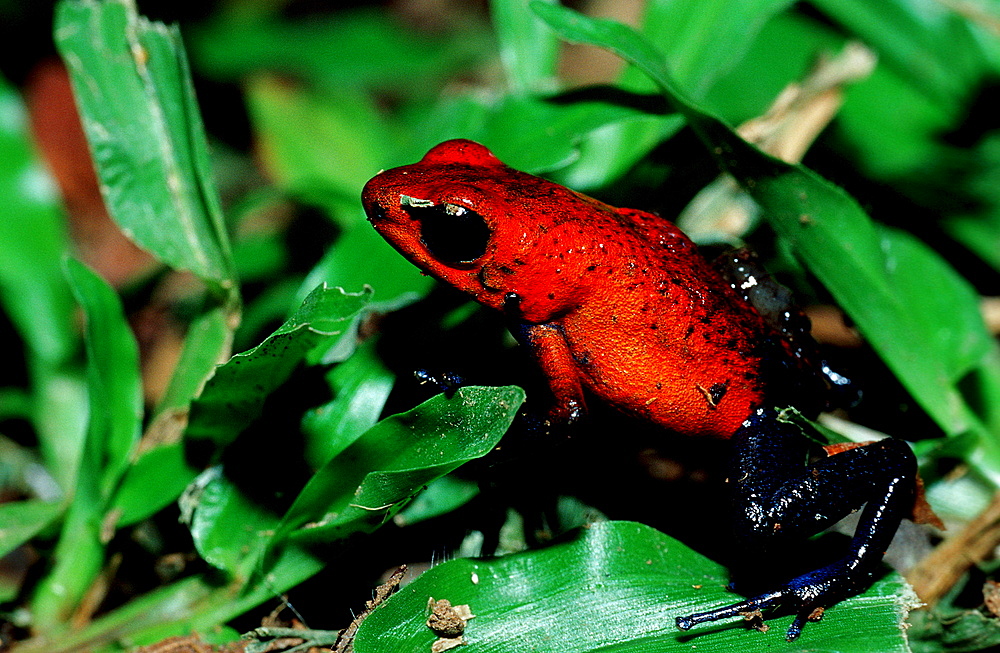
x=370, y=481
x=616, y=586
x=35, y=296
x=206, y=343
x=322, y=148
x=439, y=498
x=153, y=482
x=703, y=39
x=32, y=242
x=360, y=385
x=325, y=50
x=528, y=49
x=360, y=256
x=133, y=88
x=22, y=520
x=233, y=398
x=77, y=560
x=874, y=274
x=782, y=52
x=116, y=406
x=318, y=144
x=228, y=529
x=113, y=431
x=895, y=138
x=930, y=44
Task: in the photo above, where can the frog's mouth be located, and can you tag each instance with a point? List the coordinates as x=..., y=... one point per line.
x=453, y=234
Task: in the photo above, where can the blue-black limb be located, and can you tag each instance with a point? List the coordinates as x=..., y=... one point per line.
x=446, y=382
x=777, y=496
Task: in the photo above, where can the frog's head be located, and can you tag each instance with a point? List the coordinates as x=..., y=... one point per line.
x=464, y=217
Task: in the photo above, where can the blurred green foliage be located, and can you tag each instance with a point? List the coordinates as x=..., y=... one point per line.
x=283, y=456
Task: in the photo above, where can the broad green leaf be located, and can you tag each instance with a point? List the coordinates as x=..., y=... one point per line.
x=198, y=603
x=35, y=296
x=361, y=257
x=206, y=344
x=114, y=385
x=372, y=479
x=703, y=39
x=606, y=154
x=154, y=481
x=112, y=432
x=616, y=586
x=229, y=530
x=22, y=520
x=893, y=126
x=841, y=246
x=439, y=498
x=979, y=230
x=927, y=42
x=318, y=145
x=234, y=396
x=159, y=475
x=981, y=234
x=781, y=52
x=528, y=49
x=325, y=51
x=360, y=386
x=32, y=242
x=322, y=148
x=77, y=560
x=134, y=91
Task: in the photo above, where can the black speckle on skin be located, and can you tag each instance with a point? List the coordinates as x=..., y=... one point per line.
x=552, y=295
x=718, y=391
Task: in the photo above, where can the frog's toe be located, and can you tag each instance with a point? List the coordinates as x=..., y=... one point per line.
x=802, y=596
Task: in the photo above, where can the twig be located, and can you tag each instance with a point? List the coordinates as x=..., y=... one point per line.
x=933, y=576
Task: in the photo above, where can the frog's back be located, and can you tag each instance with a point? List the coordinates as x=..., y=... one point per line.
x=667, y=339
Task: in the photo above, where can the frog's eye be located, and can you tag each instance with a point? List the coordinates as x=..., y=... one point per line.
x=452, y=233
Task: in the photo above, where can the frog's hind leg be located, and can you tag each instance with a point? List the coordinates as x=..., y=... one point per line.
x=777, y=496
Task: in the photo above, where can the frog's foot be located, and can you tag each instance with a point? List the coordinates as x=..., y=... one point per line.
x=806, y=596
x=446, y=382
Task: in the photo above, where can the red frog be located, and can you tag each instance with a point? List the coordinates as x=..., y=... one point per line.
x=619, y=304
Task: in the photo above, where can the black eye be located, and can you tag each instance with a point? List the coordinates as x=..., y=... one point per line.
x=452, y=233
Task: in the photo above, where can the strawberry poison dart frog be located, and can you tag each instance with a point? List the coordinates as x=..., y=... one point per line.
x=619, y=305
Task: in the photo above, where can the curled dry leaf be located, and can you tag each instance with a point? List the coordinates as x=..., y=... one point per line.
x=448, y=623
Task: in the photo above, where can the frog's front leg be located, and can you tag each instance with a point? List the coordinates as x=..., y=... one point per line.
x=777, y=496
x=548, y=346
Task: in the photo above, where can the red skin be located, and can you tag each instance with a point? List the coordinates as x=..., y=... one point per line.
x=617, y=301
